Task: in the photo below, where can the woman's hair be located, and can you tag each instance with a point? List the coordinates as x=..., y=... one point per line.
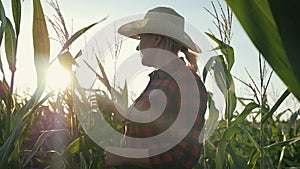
x=190, y=56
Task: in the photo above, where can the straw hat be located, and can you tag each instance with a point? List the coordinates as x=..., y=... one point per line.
x=163, y=21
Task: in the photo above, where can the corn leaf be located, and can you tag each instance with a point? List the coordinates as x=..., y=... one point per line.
x=238, y=162
x=4, y=92
x=291, y=163
x=105, y=80
x=22, y=118
x=294, y=117
x=83, y=164
x=286, y=16
x=1, y=68
x=99, y=77
x=251, y=139
x=78, y=145
x=275, y=107
x=41, y=57
x=221, y=152
x=284, y=143
x=227, y=50
x=275, y=38
x=212, y=121
x=230, y=99
x=208, y=66
x=226, y=85
x=16, y=9
x=78, y=54
x=41, y=43
x=247, y=110
x=125, y=96
x=78, y=34
x=220, y=74
x=39, y=142
x=10, y=46
x=3, y=21
x=253, y=158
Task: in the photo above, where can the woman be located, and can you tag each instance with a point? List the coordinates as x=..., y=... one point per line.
x=162, y=37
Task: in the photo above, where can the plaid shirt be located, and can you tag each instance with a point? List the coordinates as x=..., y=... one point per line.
x=187, y=152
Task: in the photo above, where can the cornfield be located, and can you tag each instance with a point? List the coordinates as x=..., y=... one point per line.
x=42, y=130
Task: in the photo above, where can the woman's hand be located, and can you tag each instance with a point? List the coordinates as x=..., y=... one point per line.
x=108, y=106
x=105, y=104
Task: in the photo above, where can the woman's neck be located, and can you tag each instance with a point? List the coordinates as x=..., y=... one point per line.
x=163, y=57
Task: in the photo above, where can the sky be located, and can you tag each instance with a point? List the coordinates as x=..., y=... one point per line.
x=80, y=13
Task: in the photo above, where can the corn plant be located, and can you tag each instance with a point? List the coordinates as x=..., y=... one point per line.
x=54, y=137
x=19, y=115
x=268, y=26
x=17, y=119
x=221, y=65
x=228, y=142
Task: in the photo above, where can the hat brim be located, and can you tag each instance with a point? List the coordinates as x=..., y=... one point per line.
x=136, y=28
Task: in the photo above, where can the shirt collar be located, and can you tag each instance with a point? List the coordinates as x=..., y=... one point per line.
x=170, y=67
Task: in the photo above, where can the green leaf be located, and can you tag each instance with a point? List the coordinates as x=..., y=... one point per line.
x=16, y=10
x=238, y=162
x=294, y=117
x=78, y=145
x=1, y=68
x=247, y=110
x=3, y=21
x=78, y=34
x=208, y=66
x=220, y=74
x=4, y=92
x=221, y=152
x=83, y=164
x=251, y=139
x=270, y=36
x=10, y=46
x=39, y=142
x=104, y=80
x=230, y=102
x=283, y=143
x=212, y=120
x=253, y=158
x=41, y=56
x=125, y=96
x=275, y=107
x=226, y=85
x=286, y=16
x=78, y=54
x=41, y=43
x=21, y=119
x=291, y=163
x=227, y=50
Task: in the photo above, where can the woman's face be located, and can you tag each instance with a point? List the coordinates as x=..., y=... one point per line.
x=147, y=48
x=147, y=41
x=153, y=50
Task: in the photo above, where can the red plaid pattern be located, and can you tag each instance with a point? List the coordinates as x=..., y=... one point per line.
x=186, y=153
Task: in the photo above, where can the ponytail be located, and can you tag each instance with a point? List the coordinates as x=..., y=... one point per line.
x=191, y=58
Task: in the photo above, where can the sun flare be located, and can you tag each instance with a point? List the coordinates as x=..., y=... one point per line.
x=58, y=78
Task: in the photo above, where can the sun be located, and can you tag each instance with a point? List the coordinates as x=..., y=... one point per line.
x=58, y=78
